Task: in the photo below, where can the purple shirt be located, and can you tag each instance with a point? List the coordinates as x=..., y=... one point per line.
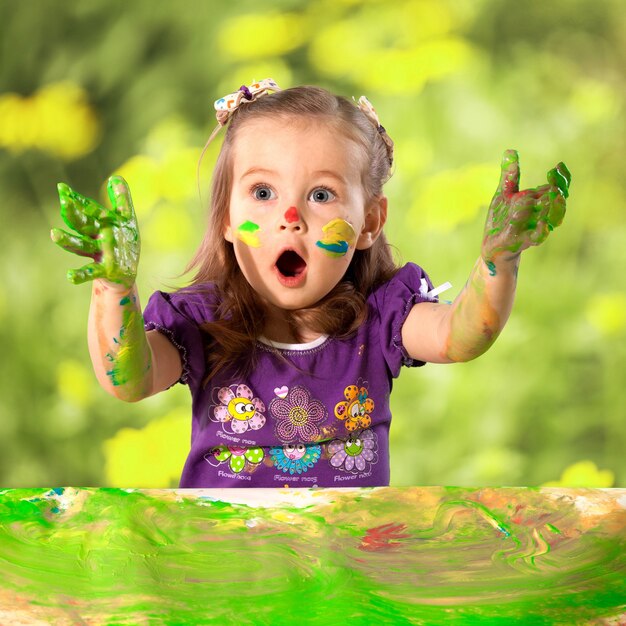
x=277, y=427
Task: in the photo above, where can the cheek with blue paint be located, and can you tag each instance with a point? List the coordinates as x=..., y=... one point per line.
x=338, y=237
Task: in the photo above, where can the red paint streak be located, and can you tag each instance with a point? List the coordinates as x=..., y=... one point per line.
x=379, y=538
x=291, y=214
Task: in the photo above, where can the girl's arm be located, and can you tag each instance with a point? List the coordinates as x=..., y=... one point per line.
x=129, y=363
x=442, y=333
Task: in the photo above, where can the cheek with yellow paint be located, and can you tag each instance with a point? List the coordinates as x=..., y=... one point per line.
x=248, y=232
x=338, y=237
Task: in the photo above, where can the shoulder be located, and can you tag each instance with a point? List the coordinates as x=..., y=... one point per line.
x=198, y=303
x=406, y=279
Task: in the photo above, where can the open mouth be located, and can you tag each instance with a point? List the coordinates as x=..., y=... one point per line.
x=290, y=263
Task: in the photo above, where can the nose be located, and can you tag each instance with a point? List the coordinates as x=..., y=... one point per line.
x=291, y=219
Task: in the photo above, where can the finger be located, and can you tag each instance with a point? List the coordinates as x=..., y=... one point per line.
x=561, y=178
x=120, y=197
x=77, y=244
x=509, y=173
x=552, y=203
x=540, y=233
x=557, y=211
x=81, y=213
x=85, y=273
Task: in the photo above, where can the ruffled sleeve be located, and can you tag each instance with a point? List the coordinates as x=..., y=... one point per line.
x=394, y=301
x=178, y=315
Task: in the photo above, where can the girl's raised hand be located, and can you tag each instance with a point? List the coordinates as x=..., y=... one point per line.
x=520, y=219
x=109, y=237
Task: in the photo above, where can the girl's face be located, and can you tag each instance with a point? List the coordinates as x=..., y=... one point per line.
x=297, y=186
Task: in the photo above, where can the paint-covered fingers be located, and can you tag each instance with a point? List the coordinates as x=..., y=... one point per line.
x=81, y=213
x=524, y=209
x=85, y=273
x=77, y=244
x=120, y=254
x=559, y=179
x=528, y=219
x=119, y=195
x=509, y=174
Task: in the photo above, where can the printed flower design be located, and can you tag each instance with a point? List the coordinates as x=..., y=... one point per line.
x=356, y=408
x=239, y=408
x=298, y=416
x=295, y=459
x=355, y=453
x=235, y=455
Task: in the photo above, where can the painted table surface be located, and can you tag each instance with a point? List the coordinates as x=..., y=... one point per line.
x=384, y=555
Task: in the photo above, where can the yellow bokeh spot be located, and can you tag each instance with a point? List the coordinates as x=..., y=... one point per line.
x=151, y=457
x=56, y=119
x=595, y=101
x=169, y=228
x=412, y=156
x=257, y=35
x=391, y=48
x=584, y=474
x=607, y=313
x=170, y=134
x=142, y=174
x=248, y=73
x=74, y=382
x=178, y=174
x=166, y=172
x=453, y=196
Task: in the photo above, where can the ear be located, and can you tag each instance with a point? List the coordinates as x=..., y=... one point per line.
x=375, y=218
x=228, y=231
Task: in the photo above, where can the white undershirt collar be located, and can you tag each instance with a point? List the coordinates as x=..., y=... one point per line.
x=294, y=346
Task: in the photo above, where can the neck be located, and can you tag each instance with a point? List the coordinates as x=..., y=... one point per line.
x=276, y=328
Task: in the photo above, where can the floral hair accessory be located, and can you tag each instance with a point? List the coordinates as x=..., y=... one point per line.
x=370, y=112
x=227, y=105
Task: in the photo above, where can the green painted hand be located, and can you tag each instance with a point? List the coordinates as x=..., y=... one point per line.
x=109, y=237
x=520, y=219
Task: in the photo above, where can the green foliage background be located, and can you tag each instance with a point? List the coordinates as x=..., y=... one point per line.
x=92, y=88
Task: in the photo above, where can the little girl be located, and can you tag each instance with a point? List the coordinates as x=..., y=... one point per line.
x=297, y=320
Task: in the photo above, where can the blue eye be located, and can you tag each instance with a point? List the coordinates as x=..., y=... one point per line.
x=322, y=194
x=262, y=192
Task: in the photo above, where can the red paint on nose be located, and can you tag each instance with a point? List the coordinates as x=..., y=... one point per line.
x=291, y=214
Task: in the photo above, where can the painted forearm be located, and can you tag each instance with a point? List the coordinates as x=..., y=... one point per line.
x=516, y=220
x=118, y=345
x=481, y=310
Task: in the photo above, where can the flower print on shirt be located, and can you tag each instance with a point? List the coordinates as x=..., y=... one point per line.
x=239, y=408
x=354, y=454
x=355, y=410
x=235, y=456
x=295, y=459
x=298, y=417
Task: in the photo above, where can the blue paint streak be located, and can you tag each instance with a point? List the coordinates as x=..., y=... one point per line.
x=340, y=248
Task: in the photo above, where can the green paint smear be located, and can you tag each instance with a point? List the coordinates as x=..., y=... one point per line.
x=248, y=227
x=126, y=366
x=374, y=555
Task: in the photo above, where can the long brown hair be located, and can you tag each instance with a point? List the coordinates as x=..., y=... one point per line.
x=240, y=314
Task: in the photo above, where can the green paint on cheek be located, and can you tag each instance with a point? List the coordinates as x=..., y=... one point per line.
x=248, y=233
x=492, y=268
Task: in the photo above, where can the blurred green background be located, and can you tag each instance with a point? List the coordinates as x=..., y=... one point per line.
x=92, y=88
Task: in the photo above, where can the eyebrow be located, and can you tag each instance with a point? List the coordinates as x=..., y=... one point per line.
x=262, y=170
